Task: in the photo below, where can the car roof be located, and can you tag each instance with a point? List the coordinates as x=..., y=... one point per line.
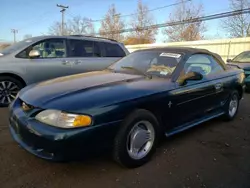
x=185, y=50
x=85, y=37
x=178, y=49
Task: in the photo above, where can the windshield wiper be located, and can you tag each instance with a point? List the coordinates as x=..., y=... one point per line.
x=139, y=71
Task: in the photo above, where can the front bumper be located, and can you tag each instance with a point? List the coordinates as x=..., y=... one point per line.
x=58, y=144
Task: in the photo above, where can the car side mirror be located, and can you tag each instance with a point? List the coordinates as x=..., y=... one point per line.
x=34, y=54
x=190, y=76
x=229, y=60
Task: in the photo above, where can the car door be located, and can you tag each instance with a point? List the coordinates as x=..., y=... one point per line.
x=86, y=55
x=194, y=99
x=221, y=81
x=50, y=64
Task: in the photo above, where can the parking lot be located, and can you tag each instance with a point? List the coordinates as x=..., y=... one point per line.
x=214, y=154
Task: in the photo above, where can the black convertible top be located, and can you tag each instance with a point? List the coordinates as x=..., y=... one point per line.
x=176, y=48
x=185, y=50
x=179, y=49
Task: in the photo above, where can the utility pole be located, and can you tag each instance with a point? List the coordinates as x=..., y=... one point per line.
x=14, y=31
x=63, y=8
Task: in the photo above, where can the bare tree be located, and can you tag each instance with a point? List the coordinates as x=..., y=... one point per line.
x=111, y=25
x=81, y=25
x=55, y=29
x=238, y=25
x=130, y=40
x=143, y=18
x=77, y=25
x=185, y=31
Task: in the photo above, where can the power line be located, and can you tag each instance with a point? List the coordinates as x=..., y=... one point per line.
x=190, y=20
x=43, y=17
x=158, y=8
x=150, y=10
x=70, y=14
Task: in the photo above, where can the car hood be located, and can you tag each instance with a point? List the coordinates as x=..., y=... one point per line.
x=84, y=91
x=245, y=66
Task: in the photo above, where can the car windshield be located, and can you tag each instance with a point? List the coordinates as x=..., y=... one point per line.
x=16, y=46
x=153, y=63
x=243, y=57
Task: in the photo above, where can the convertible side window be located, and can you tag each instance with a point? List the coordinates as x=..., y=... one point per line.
x=202, y=63
x=216, y=67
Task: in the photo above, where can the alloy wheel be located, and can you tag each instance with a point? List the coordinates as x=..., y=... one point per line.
x=140, y=140
x=233, y=105
x=8, y=91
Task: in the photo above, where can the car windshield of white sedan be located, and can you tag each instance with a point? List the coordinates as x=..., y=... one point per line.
x=243, y=57
x=158, y=63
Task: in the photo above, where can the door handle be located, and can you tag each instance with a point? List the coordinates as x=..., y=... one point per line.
x=218, y=86
x=77, y=62
x=65, y=62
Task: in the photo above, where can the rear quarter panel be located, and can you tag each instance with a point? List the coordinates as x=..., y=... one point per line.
x=237, y=81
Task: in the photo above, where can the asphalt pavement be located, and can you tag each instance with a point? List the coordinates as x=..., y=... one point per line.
x=215, y=154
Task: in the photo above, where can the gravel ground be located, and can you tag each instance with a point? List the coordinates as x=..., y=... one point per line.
x=214, y=154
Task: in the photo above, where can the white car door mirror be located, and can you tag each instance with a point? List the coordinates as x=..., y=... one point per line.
x=34, y=54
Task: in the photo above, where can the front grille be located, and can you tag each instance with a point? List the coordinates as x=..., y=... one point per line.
x=26, y=135
x=19, y=129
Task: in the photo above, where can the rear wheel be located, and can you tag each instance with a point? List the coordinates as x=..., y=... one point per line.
x=136, y=141
x=9, y=87
x=232, y=106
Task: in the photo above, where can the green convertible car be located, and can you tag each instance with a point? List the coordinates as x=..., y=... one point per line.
x=127, y=107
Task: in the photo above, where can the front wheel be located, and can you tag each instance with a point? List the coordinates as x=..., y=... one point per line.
x=232, y=106
x=9, y=87
x=136, y=141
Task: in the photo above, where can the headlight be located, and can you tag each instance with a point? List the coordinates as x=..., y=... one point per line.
x=64, y=120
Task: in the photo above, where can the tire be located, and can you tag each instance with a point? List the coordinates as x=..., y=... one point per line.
x=9, y=87
x=234, y=97
x=138, y=121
